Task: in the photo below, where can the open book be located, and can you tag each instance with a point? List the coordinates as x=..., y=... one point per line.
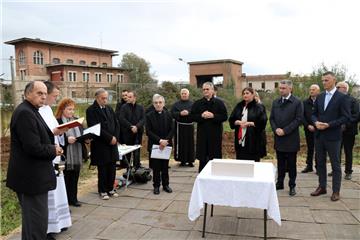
x=90, y=133
x=72, y=124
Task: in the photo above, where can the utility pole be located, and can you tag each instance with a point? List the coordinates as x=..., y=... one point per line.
x=13, y=87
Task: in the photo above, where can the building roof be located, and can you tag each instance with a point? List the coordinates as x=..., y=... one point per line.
x=38, y=40
x=216, y=61
x=83, y=66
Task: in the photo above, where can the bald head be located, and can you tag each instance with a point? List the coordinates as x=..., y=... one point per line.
x=314, y=90
x=35, y=93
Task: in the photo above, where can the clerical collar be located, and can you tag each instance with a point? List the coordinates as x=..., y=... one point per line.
x=159, y=112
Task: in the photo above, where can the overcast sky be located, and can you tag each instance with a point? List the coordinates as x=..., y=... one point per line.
x=269, y=36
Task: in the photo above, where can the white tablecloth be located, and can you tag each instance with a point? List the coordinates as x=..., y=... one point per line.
x=125, y=149
x=256, y=192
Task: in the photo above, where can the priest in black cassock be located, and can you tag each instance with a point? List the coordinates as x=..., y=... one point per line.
x=184, y=131
x=209, y=113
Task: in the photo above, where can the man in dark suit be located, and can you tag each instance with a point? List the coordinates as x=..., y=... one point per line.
x=350, y=129
x=160, y=131
x=132, y=121
x=104, y=150
x=309, y=127
x=285, y=118
x=331, y=110
x=30, y=172
x=121, y=102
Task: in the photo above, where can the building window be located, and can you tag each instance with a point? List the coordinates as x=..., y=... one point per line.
x=276, y=84
x=70, y=61
x=250, y=84
x=93, y=63
x=86, y=76
x=263, y=85
x=21, y=57
x=56, y=60
x=38, y=58
x=82, y=62
x=72, y=76
x=104, y=64
x=109, y=77
x=120, y=78
x=73, y=94
x=22, y=74
x=98, y=77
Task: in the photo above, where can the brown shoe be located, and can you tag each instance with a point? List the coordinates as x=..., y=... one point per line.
x=318, y=192
x=335, y=196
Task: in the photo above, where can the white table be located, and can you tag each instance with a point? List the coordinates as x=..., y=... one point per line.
x=252, y=192
x=123, y=150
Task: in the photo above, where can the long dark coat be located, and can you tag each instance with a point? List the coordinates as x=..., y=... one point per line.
x=101, y=150
x=288, y=116
x=32, y=150
x=132, y=115
x=156, y=130
x=209, y=131
x=253, y=137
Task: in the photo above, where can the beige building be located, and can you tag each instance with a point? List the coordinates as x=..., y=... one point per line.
x=78, y=70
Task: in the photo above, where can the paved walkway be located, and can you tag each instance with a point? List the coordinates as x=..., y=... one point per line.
x=139, y=214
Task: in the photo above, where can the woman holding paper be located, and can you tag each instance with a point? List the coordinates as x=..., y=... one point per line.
x=249, y=120
x=160, y=130
x=72, y=150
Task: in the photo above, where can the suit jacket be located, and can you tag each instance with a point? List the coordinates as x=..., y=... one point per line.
x=288, y=116
x=336, y=114
x=351, y=126
x=32, y=150
x=101, y=150
x=308, y=110
x=132, y=115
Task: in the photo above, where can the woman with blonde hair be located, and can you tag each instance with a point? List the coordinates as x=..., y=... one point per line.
x=72, y=149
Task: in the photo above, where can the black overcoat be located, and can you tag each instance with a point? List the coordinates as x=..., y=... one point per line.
x=253, y=137
x=101, y=150
x=209, y=131
x=132, y=114
x=32, y=151
x=287, y=116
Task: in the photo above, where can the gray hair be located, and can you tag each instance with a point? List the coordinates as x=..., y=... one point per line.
x=345, y=84
x=158, y=96
x=287, y=82
x=316, y=86
x=210, y=84
x=99, y=91
x=185, y=90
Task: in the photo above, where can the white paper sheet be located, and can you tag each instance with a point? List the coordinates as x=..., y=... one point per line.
x=160, y=154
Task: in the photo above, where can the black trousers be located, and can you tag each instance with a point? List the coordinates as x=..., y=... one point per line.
x=286, y=161
x=310, y=143
x=160, y=169
x=34, y=209
x=71, y=181
x=106, y=177
x=348, y=142
x=332, y=148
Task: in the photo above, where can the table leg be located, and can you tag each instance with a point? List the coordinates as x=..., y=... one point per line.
x=128, y=173
x=212, y=210
x=204, y=223
x=265, y=222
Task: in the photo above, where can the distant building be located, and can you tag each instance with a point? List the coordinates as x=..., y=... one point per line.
x=232, y=76
x=78, y=70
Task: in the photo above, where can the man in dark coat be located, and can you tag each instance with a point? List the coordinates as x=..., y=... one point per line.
x=209, y=113
x=121, y=102
x=331, y=110
x=309, y=127
x=132, y=121
x=350, y=129
x=285, y=118
x=104, y=150
x=160, y=130
x=30, y=172
x=184, y=130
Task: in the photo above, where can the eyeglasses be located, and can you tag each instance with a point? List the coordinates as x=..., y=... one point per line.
x=206, y=89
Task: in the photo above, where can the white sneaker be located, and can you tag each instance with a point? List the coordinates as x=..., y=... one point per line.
x=113, y=193
x=104, y=196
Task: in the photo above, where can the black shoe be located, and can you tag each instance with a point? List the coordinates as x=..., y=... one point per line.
x=75, y=204
x=167, y=189
x=292, y=191
x=156, y=190
x=182, y=164
x=307, y=169
x=347, y=176
x=279, y=186
x=49, y=236
x=191, y=165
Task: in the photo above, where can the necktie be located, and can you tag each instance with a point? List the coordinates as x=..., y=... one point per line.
x=327, y=99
